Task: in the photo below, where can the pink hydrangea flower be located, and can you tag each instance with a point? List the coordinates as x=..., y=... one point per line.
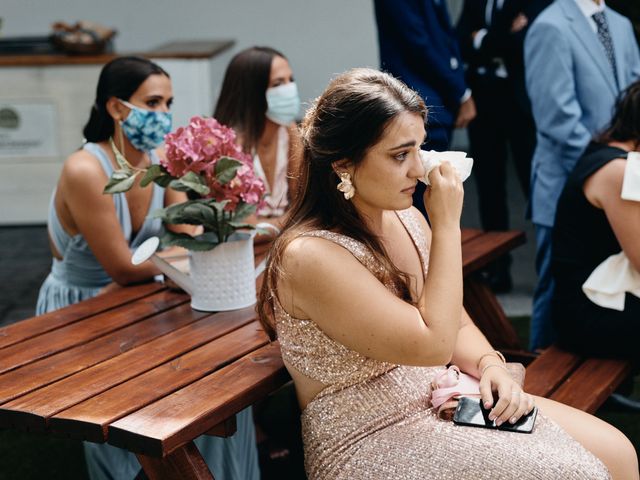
x=197, y=148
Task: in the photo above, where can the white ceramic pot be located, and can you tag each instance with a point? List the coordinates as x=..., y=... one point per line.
x=224, y=278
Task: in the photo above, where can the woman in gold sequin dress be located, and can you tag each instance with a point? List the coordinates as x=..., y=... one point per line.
x=366, y=300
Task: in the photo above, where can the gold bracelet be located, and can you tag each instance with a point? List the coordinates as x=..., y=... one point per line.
x=494, y=353
x=493, y=365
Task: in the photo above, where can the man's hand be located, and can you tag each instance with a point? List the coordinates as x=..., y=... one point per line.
x=466, y=113
x=519, y=23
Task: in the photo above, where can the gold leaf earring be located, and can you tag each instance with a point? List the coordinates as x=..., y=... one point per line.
x=345, y=186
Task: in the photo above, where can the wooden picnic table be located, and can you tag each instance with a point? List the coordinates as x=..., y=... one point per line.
x=141, y=370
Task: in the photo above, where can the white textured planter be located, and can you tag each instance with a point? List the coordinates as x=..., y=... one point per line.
x=224, y=278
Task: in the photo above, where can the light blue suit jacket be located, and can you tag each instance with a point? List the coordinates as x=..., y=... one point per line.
x=572, y=90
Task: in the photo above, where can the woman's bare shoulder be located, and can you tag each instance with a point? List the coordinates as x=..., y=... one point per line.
x=312, y=256
x=598, y=187
x=82, y=174
x=81, y=164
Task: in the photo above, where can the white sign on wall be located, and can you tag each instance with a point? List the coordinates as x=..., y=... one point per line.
x=28, y=128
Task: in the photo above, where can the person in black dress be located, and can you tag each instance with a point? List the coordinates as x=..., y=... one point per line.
x=592, y=223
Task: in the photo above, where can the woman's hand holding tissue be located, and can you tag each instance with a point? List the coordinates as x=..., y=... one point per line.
x=443, y=198
x=444, y=174
x=459, y=161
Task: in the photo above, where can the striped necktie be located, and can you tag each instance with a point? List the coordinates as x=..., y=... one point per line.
x=605, y=39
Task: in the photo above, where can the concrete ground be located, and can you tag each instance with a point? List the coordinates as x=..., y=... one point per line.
x=26, y=260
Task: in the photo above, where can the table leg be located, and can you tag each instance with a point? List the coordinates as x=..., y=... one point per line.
x=485, y=311
x=185, y=463
x=225, y=428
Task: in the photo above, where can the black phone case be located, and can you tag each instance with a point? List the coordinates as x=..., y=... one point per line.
x=471, y=412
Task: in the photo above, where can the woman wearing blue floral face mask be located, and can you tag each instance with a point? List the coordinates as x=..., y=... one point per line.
x=259, y=99
x=92, y=234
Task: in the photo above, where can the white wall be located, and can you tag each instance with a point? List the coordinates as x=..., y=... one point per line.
x=320, y=38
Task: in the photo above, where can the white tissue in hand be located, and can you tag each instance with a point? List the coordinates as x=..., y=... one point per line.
x=458, y=160
x=631, y=181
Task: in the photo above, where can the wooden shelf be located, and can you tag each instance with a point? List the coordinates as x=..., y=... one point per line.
x=188, y=49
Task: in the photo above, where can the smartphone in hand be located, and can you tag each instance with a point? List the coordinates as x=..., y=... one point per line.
x=471, y=412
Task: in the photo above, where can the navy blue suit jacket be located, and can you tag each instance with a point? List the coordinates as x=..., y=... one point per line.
x=419, y=46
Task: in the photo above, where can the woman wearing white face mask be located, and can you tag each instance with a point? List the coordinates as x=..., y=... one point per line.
x=260, y=100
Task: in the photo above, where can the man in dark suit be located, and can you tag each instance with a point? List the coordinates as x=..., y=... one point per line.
x=419, y=46
x=491, y=36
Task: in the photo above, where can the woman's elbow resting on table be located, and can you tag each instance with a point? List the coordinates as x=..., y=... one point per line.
x=129, y=275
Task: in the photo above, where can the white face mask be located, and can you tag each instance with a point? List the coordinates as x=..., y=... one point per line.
x=283, y=103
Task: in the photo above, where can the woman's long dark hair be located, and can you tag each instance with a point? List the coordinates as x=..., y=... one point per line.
x=119, y=78
x=242, y=103
x=347, y=120
x=625, y=123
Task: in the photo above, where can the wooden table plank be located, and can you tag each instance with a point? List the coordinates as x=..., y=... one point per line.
x=549, y=370
x=227, y=391
x=89, y=420
x=467, y=234
x=56, y=367
x=482, y=250
x=33, y=410
x=20, y=331
x=80, y=332
x=592, y=383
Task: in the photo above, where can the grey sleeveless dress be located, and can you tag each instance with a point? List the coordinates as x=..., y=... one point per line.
x=79, y=276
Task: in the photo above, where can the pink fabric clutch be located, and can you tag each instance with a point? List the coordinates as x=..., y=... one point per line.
x=448, y=386
x=451, y=384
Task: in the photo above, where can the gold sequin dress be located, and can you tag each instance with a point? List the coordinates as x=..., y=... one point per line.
x=374, y=420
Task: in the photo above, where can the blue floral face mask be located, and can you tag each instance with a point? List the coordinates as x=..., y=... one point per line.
x=145, y=129
x=283, y=103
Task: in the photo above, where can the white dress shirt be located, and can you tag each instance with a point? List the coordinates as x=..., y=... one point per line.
x=588, y=8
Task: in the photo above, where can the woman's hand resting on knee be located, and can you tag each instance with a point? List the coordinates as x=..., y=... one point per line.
x=512, y=402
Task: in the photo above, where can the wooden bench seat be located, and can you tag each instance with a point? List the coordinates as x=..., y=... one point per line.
x=583, y=383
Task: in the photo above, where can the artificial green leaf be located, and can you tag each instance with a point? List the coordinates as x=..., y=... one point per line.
x=243, y=210
x=176, y=184
x=226, y=168
x=119, y=185
x=238, y=225
x=163, y=180
x=192, y=212
x=224, y=230
x=153, y=172
x=195, y=182
x=171, y=214
x=121, y=174
x=203, y=213
x=184, y=240
x=217, y=206
x=186, y=184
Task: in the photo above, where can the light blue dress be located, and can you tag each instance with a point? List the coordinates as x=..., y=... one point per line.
x=79, y=276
